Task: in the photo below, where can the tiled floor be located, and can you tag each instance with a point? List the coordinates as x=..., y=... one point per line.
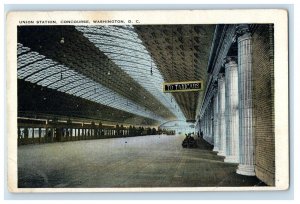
x=148, y=161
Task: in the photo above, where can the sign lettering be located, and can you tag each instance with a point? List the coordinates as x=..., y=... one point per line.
x=183, y=86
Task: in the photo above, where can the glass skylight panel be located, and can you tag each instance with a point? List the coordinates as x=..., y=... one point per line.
x=75, y=87
x=130, y=62
x=28, y=58
x=59, y=85
x=118, y=50
x=108, y=45
x=49, y=80
x=69, y=77
x=46, y=73
x=85, y=92
x=37, y=66
x=63, y=79
x=59, y=82
x=107, y=30
x=22, y=49
x=117, y=55
x=116, y=42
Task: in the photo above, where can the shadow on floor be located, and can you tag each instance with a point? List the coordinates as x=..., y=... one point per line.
x=232, y=179
x=202, y=144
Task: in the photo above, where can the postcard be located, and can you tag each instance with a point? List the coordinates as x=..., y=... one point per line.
x=138, y=101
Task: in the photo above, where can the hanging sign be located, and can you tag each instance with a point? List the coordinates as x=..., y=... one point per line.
x=182, y=86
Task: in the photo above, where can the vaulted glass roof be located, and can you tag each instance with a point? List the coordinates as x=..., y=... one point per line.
x=36, y=68
x=122, y=45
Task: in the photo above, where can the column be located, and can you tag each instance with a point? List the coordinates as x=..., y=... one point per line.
x=232, y=111
x=19, y=136
x=31, y=135
x=71, y=134
x=216, y=126
x=40, y=134
x=221, y=118
x=46, y=135
x=208, y=123
x=204, y=125
x=26, y=132
x=203, y=121
x=209, y=119
x=200, y=124
x=246, y=165
x=52, y=134
x=212, y=123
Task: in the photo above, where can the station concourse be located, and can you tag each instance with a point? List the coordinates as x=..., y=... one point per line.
x=110, y=105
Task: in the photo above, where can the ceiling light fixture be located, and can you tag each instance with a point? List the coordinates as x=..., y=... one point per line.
x=62, y=40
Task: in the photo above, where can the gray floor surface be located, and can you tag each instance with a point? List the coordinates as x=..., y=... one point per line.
x=146, y=161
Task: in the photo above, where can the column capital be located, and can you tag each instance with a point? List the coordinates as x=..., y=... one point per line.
x=230, y=59
x=215, y=90
x=230, y=62
x=215, y=79
x=242, y=29
x=243, y=32
x=221, y=76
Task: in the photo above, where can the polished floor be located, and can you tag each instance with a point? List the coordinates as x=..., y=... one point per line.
x=146, y=161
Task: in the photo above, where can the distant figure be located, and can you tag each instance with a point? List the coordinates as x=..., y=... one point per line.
x=201, y=134
x=189, y=141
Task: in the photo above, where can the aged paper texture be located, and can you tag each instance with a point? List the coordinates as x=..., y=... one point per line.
x=63, y=67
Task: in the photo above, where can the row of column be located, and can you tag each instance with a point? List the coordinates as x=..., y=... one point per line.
x=231, y=109
x=206, y=125
x=50, y=134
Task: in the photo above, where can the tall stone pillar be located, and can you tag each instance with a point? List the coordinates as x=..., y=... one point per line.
x=232, y=111
x=246, y=164
x=221, y=118
x=208, y=121
x=216, y=126
x=212, y=123
x=200, y=124
x=40, y=135
x=204, y=124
